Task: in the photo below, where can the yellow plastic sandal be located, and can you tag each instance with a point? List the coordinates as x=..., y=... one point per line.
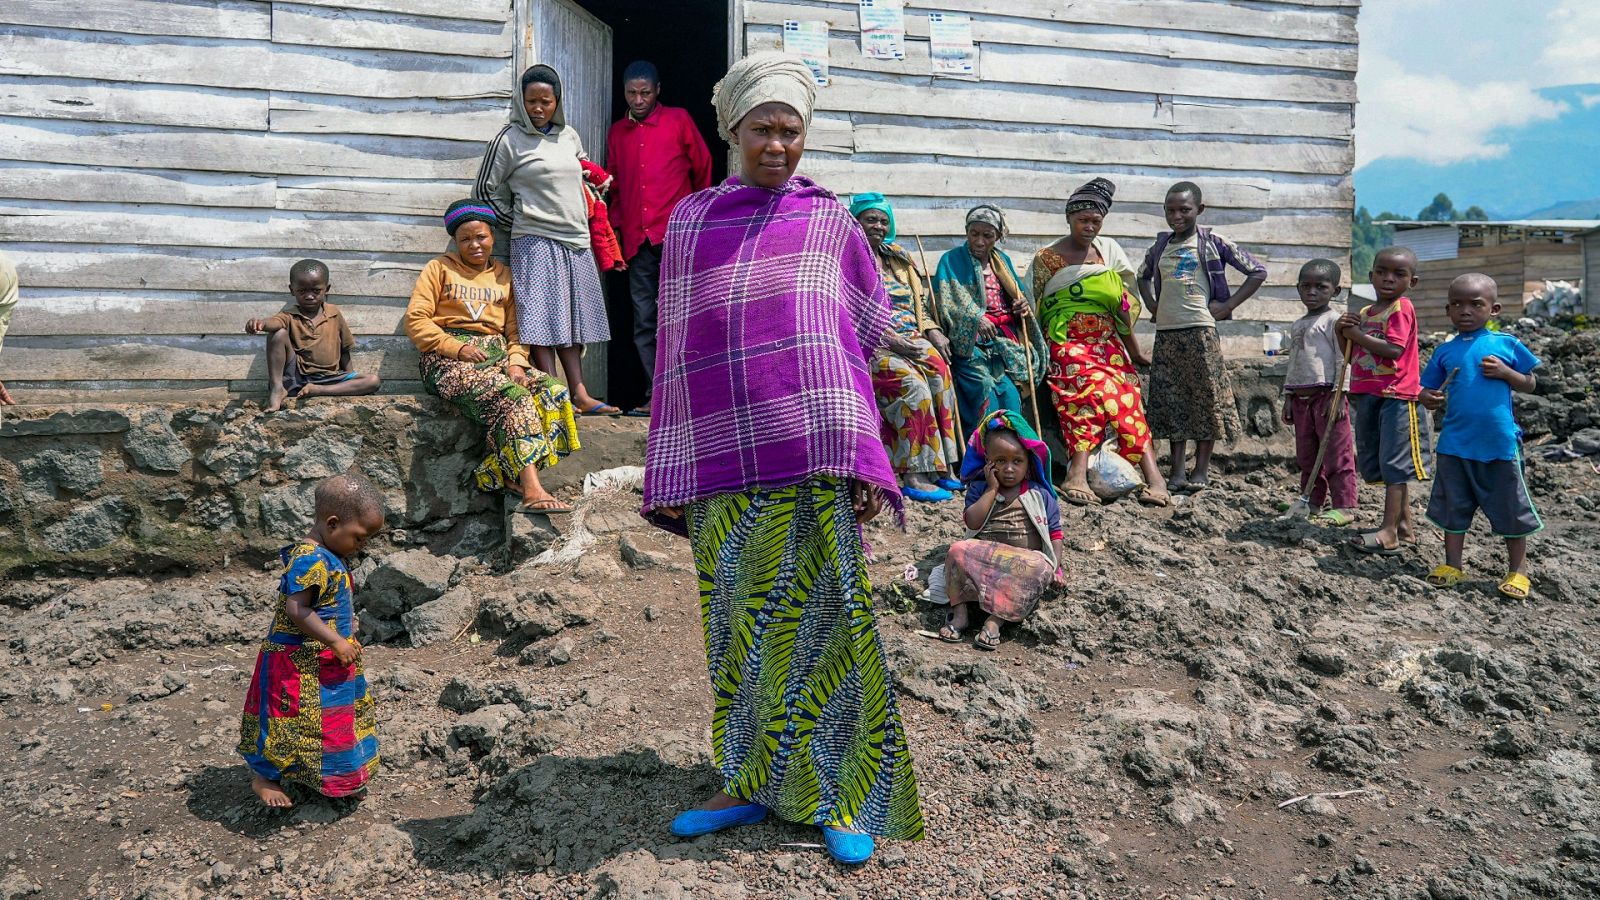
x=1444, y=576
x=1515, y=586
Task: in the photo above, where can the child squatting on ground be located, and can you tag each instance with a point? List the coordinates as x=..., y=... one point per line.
x=1479, y=463
x=1184, y=283
x=1012, y=552
x=1391, y=433
x=309, y=717
x=1315, y=356
x=308, y=346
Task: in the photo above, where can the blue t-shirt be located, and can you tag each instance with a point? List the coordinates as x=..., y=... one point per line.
x=1478, y=423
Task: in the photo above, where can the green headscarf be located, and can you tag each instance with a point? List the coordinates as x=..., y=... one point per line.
x=860, y=203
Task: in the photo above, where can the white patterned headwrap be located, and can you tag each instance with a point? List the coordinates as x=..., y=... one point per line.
x=760, y=78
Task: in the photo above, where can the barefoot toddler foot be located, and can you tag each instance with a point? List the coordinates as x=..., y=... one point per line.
x=270, y=792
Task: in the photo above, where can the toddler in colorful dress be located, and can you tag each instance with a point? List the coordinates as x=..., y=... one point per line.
x=309, y=717
x=1012, y=552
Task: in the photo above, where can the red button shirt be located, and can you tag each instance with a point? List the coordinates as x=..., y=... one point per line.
x=656, y=163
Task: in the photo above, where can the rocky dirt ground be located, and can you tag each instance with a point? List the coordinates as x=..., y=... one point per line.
x=1152, y=732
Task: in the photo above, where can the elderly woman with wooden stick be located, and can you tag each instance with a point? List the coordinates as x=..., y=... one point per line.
x=996, y=349
x=764, y=444
x=911, y=372
x=1081, y=285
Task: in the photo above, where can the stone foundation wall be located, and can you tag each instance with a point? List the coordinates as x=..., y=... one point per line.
x=149, y=488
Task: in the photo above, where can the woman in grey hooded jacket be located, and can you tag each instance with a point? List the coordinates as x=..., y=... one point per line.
x=530, y=176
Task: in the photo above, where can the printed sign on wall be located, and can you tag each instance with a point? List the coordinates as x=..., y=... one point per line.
x=953, y=53
x=809, y=41
x=883, y=29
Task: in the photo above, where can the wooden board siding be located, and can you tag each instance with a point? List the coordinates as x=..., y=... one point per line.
x=163, y=163
x=1253, y=101
x=1518, y=269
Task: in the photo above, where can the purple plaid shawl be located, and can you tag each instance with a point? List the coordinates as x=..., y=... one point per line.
x=770, y=307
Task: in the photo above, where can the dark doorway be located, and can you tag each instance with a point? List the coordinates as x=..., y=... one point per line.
x=688, y=42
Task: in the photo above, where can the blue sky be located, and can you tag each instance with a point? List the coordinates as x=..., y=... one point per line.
x=1451, y=86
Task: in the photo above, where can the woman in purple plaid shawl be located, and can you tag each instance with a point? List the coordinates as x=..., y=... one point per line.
x=764, y=447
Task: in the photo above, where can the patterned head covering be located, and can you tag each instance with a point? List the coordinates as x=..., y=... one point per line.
x=464, y=211
x=989, y=215
x=763, y=78
x=1006, y=420
x=1095, y=195
x=860, y=203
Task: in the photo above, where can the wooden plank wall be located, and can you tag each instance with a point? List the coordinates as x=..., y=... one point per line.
x=1254, y=101
x=1518, y=269
x=162, y=163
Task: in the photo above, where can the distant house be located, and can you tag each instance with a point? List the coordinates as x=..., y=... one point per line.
x=1520, y=255
x=162, y=162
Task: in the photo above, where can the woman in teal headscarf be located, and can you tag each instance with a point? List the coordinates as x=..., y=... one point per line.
x=910, y=378
x=983, y=312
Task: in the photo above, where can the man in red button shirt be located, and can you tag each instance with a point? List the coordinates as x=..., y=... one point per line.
x=657, y=157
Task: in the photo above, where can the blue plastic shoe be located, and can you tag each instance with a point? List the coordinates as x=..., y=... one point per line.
x=695, y=822
x=949, y=484
x=849, y=847
x=922, y=496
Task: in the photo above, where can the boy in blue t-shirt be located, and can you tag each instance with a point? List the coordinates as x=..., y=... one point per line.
x=1479, y=454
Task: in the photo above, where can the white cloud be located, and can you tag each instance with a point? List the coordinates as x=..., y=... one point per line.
x=1435, y=118
x=1572, y=55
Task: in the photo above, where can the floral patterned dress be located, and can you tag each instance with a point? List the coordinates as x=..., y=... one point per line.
x=1093, y=384
x=915, y=393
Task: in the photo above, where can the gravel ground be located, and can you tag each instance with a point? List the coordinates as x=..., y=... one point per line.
x=1154, y=731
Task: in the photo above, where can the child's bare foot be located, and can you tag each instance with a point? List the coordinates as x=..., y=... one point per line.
x=275, y=398
x=270, y=792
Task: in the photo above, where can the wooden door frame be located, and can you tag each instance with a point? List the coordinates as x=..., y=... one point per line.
x=735, y=31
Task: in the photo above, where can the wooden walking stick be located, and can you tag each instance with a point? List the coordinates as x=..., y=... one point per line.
x=1027, y=352
x=938, y=314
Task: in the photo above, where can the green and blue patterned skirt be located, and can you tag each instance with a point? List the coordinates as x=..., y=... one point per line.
x=522, y=427
x=805, y=720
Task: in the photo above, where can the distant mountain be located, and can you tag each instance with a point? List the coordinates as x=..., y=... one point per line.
x=1570, y=209
x=1549, y=163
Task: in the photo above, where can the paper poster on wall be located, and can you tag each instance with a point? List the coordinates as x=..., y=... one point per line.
x=883, y=29
x=953, y=53
x=809, y=41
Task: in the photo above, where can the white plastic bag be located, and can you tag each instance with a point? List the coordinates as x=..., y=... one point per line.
x=936, y=587
x=1110, y=476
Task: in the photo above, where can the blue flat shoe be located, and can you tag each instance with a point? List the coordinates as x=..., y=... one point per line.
x=949, y=484
x=695, y=822
x=849, y=847
x=922, y=496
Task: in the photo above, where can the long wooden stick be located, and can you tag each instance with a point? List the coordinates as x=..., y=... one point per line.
x=938, y=314
x=1335, y=413
x=1033, y=387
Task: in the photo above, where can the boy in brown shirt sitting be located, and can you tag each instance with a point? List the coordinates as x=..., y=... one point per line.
x=308, y=346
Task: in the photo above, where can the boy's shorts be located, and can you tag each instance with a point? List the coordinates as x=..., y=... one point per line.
x=294, y=381
x=1462, y=487
x=1392, y=439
